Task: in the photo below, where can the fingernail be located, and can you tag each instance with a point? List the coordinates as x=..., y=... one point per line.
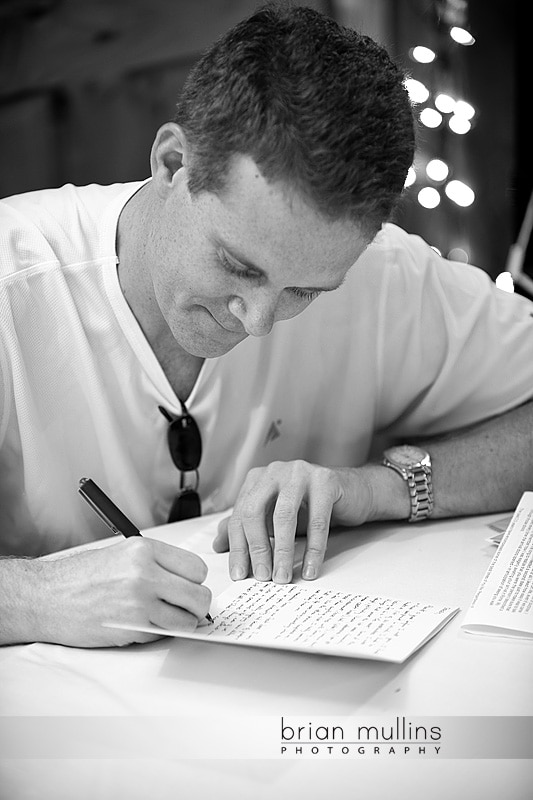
x=262, y=573
x=281, y=575
x=237, y=573
x=309, y=572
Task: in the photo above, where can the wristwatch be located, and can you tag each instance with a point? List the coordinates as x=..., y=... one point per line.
x=414, y=465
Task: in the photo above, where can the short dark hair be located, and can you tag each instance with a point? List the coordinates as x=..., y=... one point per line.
x=318, y=106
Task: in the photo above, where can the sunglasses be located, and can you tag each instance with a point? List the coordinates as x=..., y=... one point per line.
x=185, y=446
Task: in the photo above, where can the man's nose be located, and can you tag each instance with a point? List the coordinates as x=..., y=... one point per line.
x=256, y=312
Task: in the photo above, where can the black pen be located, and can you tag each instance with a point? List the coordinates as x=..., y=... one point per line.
x=110, y=513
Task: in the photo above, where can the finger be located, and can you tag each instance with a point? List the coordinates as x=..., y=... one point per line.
x=179, y=562
x=285, y=521
x=221, y=540
x=255, y=530
x=320, y=510
x=169, y=617
x=183, y=594
x=239, y=556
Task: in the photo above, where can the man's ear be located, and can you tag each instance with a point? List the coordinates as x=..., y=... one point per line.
x=170, y=153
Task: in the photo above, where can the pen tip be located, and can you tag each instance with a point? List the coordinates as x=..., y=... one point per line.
x=209, y=618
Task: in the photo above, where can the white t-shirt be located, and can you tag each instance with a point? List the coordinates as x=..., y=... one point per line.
x=411, y=344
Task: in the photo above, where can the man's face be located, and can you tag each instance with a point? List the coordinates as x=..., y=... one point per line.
x=228, y=266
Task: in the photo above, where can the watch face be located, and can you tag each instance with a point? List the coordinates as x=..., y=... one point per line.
x=405, y=455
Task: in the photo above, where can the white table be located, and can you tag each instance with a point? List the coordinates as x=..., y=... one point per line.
x=198, y=686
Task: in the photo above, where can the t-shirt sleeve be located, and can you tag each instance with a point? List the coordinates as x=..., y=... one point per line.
x=453, y=349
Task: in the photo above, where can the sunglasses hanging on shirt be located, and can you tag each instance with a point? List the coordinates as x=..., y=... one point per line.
x=185, y=446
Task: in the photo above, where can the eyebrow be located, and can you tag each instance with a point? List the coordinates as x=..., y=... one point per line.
x=248, y=265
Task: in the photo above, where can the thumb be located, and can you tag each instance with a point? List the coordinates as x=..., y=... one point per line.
x=221, y=540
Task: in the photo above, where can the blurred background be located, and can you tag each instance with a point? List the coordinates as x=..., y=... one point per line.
x=84, y=85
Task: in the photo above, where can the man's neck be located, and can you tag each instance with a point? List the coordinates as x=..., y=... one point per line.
x=134, y=278
x=180, y=367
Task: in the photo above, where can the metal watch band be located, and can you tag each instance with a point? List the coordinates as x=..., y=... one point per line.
x=419, y=484
x=421, y=493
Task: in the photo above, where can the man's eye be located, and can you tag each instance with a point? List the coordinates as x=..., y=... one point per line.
x=304, y=294
x=242, y=272
x=234, y=269
x=228, y=266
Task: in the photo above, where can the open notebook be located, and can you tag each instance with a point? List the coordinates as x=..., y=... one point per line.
x=317, y=620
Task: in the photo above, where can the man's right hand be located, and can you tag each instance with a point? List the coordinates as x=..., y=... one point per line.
x=139, y=581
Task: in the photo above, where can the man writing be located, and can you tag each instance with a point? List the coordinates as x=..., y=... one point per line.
x=194, y=297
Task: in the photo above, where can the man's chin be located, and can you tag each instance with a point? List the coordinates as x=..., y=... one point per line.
x=216, y=349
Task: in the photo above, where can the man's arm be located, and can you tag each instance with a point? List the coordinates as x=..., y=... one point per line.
x=485, y=467
x=68, y=599
x=481, y=469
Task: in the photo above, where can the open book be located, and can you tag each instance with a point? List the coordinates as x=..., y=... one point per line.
x=503, y=604
x=317, y=620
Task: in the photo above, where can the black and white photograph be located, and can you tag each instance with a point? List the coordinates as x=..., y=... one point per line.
x=266, y=400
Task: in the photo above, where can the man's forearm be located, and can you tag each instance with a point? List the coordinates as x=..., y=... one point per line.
x=19, y=599
x=476, y=470
x=484, y=468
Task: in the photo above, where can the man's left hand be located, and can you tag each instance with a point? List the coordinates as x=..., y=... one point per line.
x=285, y=498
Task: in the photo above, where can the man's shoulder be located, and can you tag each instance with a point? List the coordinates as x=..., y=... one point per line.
x=60, y=225
x=408, y=258
x=61, y=202
x=398, y=245
x=394, y=255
